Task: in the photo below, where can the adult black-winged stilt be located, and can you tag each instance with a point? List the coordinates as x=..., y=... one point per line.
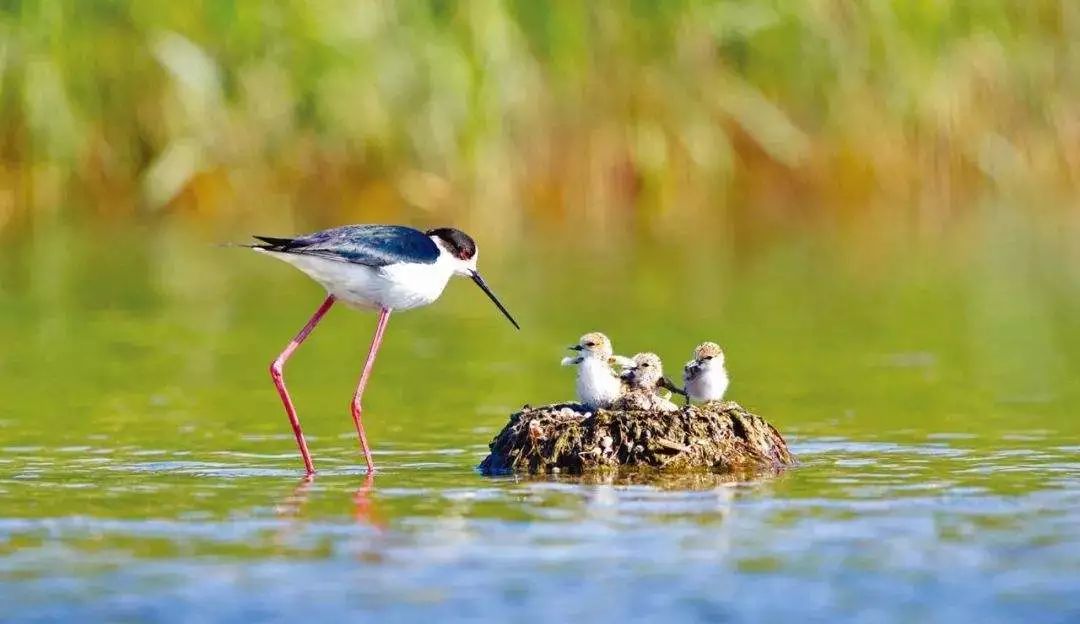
x=371, y=267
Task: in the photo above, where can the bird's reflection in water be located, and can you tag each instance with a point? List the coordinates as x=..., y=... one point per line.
x=362, y=507
x=292, y=506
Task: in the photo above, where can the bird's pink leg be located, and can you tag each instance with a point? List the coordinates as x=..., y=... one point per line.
x=380, y=329
x=277, y=370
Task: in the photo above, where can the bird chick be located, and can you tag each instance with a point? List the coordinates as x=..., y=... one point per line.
x=643, y=383
x=598, y=385
x=705, y=377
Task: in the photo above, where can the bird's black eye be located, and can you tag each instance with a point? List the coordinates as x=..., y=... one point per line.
x=707, y=357
x=645, y=365
x=590, y=344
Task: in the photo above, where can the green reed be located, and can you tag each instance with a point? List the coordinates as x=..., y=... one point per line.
x=499, y=112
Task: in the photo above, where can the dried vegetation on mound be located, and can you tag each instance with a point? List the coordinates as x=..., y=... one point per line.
x=717, y=436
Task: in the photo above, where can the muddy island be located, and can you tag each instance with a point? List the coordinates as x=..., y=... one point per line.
x=718, y=436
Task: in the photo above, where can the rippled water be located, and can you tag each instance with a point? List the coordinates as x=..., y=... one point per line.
x=147, y=472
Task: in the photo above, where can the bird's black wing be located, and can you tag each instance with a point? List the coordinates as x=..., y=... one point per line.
x=691, y=371
x=370, y=245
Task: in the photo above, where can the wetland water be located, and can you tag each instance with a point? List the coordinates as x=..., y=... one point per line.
x=147, y=472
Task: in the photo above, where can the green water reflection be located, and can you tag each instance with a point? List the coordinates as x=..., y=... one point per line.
x=928, y=383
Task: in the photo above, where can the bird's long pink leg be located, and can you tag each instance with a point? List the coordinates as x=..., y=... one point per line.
x=277, y=370
x=380, y=329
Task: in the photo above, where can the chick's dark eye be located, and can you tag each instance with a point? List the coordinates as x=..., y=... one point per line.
x=708, y=357
x=645, y=365
x=590, y=344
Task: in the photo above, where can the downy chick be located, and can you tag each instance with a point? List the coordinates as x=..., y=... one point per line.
x=705, y=377
x=643, y=383
x=597, y=385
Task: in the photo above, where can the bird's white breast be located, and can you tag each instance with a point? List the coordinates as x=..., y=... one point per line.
x=645, y=399
x=597, y=386
x=396, y=286
x=708, y=384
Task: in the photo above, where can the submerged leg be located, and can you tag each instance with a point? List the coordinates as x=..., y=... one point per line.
x=380, y=329
x=362, y=500
x=277, y=371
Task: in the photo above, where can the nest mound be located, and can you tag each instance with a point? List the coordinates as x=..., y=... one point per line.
x=566, y=437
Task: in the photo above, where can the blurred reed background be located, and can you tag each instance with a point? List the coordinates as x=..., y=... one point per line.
x=654, y=117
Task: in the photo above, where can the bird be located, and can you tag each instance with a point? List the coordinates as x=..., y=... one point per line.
x=597, y=384
x=705, y=377
x=642, y=386
x=371, y=267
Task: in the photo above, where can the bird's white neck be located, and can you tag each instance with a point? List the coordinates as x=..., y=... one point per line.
x=708, y=366
x=456, y=265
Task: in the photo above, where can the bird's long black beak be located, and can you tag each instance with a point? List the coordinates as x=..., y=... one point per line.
x=487, y=291
x=576, y=348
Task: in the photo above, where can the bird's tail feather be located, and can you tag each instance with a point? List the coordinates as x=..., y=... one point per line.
x=271, y=243
x=268, y=243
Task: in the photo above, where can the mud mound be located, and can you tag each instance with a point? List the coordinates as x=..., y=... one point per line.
x=717, y=436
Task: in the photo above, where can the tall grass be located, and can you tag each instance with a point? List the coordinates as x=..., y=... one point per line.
x=511, y=112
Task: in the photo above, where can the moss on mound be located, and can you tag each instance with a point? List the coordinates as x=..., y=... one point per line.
x=565, y=437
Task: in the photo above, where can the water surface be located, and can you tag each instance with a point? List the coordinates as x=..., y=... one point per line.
x=147, y=472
